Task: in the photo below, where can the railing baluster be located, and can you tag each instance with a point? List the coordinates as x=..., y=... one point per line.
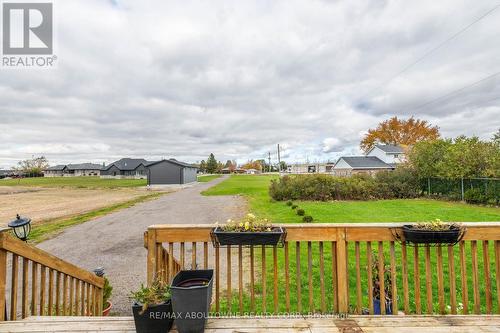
x=183, y=255
x=240, y=278
x=217, y=279
x=34, y=286
x=77, y=297
x=3, y=282
x=287, y=278
x=416, y=277
x=171, y=261
x=334, y=277
x=298, y=277
x=71, y=295
x=58, y=293
x=475, y=278
x=487, y=277
x=322, y=277
x=264, y=274
x=463, y=273
x=369, y=258
x=394, y=291
x=275, y=277
x=13, y=290
x=193, y=256
x=252, y=279
x=381, y=276
x=453, y=282
x=25, y=296
x=42, y=289
x=205, y=255
x=50, y=309
x=440, y=279
x=87, y=290
x=65, y=295
x=404, y=263
x=309, y=276
x=229, y=289
x=359, y=300
x=497, y=271
x=428, y=279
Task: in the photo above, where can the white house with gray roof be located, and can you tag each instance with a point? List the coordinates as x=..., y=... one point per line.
x=380, y=157
x=73, y=170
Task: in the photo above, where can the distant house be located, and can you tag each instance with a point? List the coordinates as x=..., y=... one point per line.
x=134, y=168
x=73, y=170
x=168, y=172
x=380, y=157
x=8, y=173
x=310, y=167
x=235, y=170
x=252, y=171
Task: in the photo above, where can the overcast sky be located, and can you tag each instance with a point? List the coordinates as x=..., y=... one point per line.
x=185, y=78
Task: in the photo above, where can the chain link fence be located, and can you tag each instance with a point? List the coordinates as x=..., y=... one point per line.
x=473, y=190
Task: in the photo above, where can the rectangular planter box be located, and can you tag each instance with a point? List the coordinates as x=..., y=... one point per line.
x=419, y=236
x=269, y=238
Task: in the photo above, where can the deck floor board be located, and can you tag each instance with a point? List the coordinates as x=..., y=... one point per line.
x=353, y=324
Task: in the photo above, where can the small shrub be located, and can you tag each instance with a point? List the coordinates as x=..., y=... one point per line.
x=301, y=212
x=289, y=203
x=475, y=196
x=294, y=206
x=307, y=219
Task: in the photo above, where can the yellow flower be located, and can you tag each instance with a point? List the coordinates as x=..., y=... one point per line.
x=229, y=221
x=247, y=225
x=250, y=215
x=241, y=224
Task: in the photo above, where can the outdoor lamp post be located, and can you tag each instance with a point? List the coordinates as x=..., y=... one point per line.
x=21, y=227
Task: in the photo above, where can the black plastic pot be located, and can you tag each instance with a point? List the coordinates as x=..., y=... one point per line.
x=270, y=238
x=191, y=298
x=155, y=319
x=422, y=236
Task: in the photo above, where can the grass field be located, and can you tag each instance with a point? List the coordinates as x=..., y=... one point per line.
x=78, y=182
x=207, y=178
x=255, y=189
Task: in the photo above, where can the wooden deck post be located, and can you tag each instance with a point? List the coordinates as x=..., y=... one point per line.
x=342, y=277
x=3, y=278
x=151, y=266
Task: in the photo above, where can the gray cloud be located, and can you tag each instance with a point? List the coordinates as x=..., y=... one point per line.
x=183, y=79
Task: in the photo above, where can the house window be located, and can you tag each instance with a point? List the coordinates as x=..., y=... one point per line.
x=396, y=155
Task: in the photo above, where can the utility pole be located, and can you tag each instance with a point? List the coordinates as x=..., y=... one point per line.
x=269, y=165
x=279, y=160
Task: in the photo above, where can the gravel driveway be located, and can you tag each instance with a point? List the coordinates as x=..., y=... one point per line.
x=115, y=241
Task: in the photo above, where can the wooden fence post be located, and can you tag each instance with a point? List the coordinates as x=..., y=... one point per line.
x=151, y=237
x=342, y=276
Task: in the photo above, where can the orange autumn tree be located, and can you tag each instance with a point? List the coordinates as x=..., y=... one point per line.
x=399, y=132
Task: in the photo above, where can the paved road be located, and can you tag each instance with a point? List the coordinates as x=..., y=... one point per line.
x=115, y=241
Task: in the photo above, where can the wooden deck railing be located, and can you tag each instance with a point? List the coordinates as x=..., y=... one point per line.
x=325, y=268
x=48, y=286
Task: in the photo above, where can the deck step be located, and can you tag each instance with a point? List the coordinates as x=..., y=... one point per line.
x=368, y=324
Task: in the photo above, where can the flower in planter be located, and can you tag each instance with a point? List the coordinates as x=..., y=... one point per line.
x=250, y=223
x=435, y=225
x=157, y=293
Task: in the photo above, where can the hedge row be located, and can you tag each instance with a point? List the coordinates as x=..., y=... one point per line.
x=400, y=183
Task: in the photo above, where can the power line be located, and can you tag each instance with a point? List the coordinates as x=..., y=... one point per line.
x=451, y=93
x=446, y=41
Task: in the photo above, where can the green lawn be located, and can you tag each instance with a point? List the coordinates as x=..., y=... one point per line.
x=255, y=189
x=77, y=182
x=207, y=178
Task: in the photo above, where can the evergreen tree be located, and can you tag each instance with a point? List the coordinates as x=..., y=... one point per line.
x=211, y=164
x=203, y=166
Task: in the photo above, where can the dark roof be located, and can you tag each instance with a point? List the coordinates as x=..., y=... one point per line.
x=58, y=167
x=396, y=149
x=365, y=162
x=84, y=166
x=128, y=164
x=7, y=172
x=174, y=161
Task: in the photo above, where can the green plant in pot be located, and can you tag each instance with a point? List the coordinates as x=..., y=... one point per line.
x=152, y=308
x=107, y=291
x=376, y=285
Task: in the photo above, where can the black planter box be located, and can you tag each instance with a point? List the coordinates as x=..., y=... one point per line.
x=155, y=319
x=420, y=236
x=191, y=303
x=269, y=238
